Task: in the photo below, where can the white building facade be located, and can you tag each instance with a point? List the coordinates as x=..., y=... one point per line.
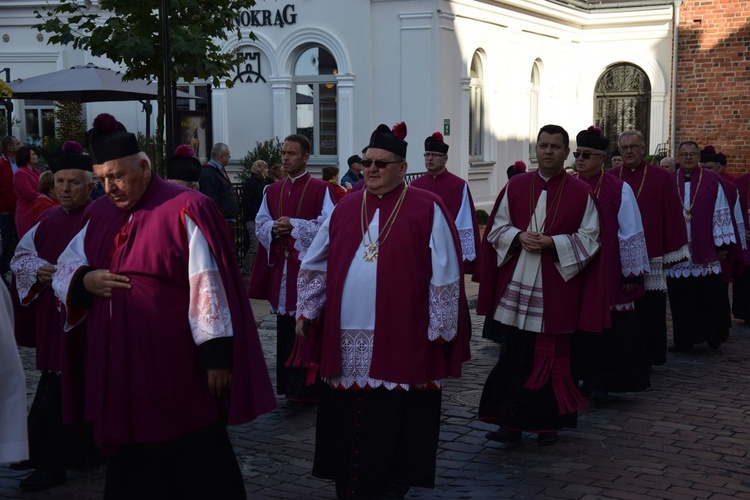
x=487, y=74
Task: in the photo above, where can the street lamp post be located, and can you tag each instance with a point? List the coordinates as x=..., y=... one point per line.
x=167, y=83
x=8, y=105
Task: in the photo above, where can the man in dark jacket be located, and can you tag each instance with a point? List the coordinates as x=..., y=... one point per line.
x=214, y=183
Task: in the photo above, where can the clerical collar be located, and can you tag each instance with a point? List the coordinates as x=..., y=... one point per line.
x=545, y=178
x=641, y=164
x=293, y=179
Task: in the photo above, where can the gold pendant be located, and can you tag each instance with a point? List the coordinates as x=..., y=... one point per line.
x=688, y=216
x=371, y=253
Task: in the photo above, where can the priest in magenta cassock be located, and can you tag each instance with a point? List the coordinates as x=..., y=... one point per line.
x=289, y=217
x=173, y=351
x=666, y=239
x=542, y=279
x=741, y=285
x=697, y=296
x=386, y=268
x=614, y=360
x=58, y=437
x=455, y=193
x=732, y=264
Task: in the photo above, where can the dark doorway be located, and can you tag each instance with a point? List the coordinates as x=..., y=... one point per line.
x=623, y=101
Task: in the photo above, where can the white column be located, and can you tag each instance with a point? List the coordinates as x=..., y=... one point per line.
x=345, y=96
x=282, y=105
x=657, y=125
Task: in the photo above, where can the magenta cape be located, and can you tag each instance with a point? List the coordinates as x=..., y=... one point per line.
x=660, y=205
x=610, y=199
x=402, y=352
x=265, y=281
x=579, y=304
x=450, y=188
x=144, y=384
x=55, y=350
x=702, y=248
x=743, y=186
x=732, y=266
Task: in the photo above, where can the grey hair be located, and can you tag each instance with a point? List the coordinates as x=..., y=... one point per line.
x=218, y=149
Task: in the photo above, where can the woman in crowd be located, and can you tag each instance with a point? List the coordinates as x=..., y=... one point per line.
x=26, y=186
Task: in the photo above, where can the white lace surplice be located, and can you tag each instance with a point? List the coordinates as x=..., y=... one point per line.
x=465, y=227
x=722, y=233
x=522, y=302
x=25, y=264
x=359, y=293
x=632, y=241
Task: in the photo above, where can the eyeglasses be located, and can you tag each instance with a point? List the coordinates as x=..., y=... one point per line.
x=585, y=154
x=434, y=155
x=688, y=155
x=378, y=163
x=630, y=148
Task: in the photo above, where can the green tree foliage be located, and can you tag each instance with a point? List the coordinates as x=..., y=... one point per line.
x=268, y=151
x=128, y=32
x=71, y=125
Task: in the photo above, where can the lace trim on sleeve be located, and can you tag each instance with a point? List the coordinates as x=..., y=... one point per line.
x=682, y=253
x=263, y=232
x=303, y=232
x=443, y=311
x=25, y=266
x=311, y=293
x=634, y=255
x=723, y=227
x=209, y=313
x=467, y=244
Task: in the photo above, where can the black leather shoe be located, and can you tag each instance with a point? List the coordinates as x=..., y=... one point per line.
x=507, y=439
x=43, y=480
x=546, y=438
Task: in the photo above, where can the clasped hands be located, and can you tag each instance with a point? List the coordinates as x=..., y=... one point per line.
x=535, y=242
x=282, y=226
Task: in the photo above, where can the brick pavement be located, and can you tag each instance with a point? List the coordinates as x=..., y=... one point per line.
x=688, y=437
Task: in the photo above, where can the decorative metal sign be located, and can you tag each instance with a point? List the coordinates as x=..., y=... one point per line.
x=251, y=69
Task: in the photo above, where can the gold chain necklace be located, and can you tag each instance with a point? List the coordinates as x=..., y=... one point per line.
x=598, y=187
x=643, y=179
x=556, y=198
x=688, y=214
x=299, y=209
x=371, y=251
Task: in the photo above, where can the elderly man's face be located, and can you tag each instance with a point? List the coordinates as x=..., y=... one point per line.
x=589, y=162
x=71, y=188
x=435, y=162
x=385, y=173
x=711, y=165
x=124, y=180
x=616, y=161
x=633, y=150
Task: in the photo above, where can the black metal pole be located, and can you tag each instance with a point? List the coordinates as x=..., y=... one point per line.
x=167, y=83
x=8, y=106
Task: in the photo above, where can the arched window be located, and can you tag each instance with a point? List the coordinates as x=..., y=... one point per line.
x=476, y=109
x=622, y=101
x=316, y=111
x=535, y=90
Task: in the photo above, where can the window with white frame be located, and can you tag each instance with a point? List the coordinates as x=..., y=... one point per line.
x=534, y=110
x=476, y=110
x=316, y=107
x=40, y=121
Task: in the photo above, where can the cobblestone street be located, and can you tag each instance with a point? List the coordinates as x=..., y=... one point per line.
x=687, y=437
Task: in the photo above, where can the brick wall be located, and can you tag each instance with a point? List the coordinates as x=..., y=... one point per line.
x=713, y=78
